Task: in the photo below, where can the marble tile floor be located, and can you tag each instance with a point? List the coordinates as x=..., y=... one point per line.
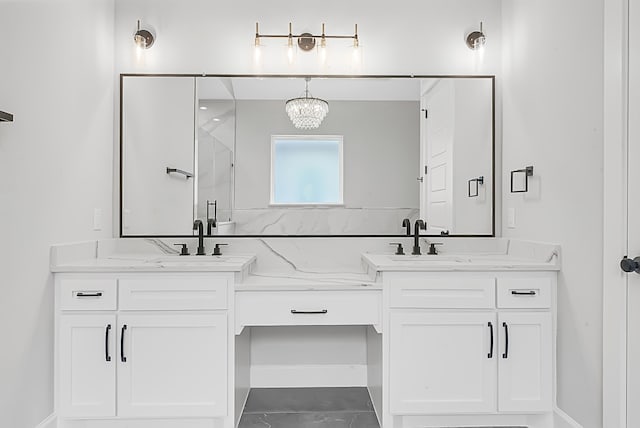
x=309, y=407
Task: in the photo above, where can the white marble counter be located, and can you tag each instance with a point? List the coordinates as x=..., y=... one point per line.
x=296, y=281
x=153, y=263
x=516, y=256
x=140, y=256
x=295, y=263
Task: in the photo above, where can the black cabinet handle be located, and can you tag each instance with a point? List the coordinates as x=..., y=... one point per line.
x=490, y=355
x=523, y=293
x=295, y=311
x=506, y=340
x=122, y=357
x=107, y=357
x=83, y=294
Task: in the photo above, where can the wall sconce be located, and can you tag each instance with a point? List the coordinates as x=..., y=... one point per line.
x=304, y=41
x=143, y=38
x=476, y=39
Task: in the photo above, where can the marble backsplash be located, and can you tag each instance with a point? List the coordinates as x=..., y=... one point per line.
x=322, y=221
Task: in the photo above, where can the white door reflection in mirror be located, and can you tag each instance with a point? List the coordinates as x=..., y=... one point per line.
x=456, y=146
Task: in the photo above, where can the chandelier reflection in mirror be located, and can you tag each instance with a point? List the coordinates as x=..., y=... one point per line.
x=307, y=112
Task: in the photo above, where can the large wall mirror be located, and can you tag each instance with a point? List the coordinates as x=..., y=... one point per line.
x=371, y=152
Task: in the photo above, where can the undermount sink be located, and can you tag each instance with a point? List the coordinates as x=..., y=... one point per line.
x=449, y=259
x=426, y=258
x=196, y=260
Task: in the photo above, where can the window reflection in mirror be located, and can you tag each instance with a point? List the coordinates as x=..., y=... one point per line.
x=306, y=170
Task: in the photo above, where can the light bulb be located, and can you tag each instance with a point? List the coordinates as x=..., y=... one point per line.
x=322, y=51
x=257, y=51
x=290, y=51
x=356, y=56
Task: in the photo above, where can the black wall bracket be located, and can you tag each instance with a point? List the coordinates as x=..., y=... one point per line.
x=528, y=172
x=473, y=192
x=6, y=117
x=186, y=174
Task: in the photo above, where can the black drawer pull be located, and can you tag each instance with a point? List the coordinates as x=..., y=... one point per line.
x=122, y=357
x=83, y=294
x=295, y=311
x=490, y=355
x=523, y=293
x=107, y=357
x=506, y=340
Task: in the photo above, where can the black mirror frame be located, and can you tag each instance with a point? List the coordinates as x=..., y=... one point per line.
x=316, y=76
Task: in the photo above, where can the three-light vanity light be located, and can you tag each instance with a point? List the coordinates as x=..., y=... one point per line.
x=305, y=42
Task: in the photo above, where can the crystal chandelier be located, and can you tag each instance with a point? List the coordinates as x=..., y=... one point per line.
x=307, y=112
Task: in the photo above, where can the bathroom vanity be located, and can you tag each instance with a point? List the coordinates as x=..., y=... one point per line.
x=145, y=338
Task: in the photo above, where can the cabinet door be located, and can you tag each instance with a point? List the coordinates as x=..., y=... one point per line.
x=525, y=368
x=172, y=365
x=87, y=366
x=442, y=362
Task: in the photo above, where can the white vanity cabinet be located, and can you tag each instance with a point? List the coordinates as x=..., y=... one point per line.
x=87, y=365
x=142, y=345
x=441, y=363
x=525, y=362
x=172, y=365
x=470, y=343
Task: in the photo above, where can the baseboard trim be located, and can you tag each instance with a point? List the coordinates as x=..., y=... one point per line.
x=562, y=420
x=300, y=376
x=49, y=422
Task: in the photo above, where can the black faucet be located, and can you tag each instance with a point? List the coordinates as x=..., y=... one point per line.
x=407, y=223
x=419, y=224
x=211, y=224
x=198, y=225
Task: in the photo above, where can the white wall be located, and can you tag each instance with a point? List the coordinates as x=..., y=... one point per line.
x=56, y=76
x=157, y=133
x=381, y=148
x=553, y=120
x=472, y=156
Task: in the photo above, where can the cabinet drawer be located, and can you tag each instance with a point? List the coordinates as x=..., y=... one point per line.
x=173, y=294
x=448, y=293
x=79, y=294
x=271, y=308
x=524, y=293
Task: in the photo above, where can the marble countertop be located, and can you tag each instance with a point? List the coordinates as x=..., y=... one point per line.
x=517, y=256
x=155, y=263
x=307, y=280
x=303, y=264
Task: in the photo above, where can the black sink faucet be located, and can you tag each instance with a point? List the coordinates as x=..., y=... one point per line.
x=407, y=223
x=419, y=224
x=198, y=225
x=211, y=224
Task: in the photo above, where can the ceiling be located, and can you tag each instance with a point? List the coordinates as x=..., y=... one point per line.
x=283, y=88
